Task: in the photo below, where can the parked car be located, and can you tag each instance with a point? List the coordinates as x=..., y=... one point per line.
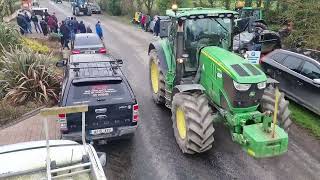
x=97, y=80
x=95, y=7
x=299, y=76
x=88, y=43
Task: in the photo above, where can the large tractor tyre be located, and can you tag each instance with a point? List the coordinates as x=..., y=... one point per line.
x=260, y=25
x=268, y=104
x=157, y=79
x=73, y=11
x=192, y=122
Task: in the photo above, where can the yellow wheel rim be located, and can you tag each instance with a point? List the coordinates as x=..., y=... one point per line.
x=154, y=77
x=181, y=123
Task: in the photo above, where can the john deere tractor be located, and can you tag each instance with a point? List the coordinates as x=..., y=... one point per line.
x=81, y=6
x=194, y=73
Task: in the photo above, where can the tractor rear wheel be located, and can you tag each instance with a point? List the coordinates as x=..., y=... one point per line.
x=157, y=80
x=268, y=104
x=192, y=122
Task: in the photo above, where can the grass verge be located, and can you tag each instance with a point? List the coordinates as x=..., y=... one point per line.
x=10, y=113
x=306, y=119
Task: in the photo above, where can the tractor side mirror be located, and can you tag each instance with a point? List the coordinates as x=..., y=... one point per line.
x=164, y=28
x=316, y=81
x=61, y=63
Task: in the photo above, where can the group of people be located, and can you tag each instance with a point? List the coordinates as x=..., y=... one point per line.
x=66, y=29
x=70, y=27
x=145, y=21
x=48, y=23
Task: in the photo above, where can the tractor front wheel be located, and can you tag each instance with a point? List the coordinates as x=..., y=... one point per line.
x=268, y=104
x=157, y=80
x=192, y=122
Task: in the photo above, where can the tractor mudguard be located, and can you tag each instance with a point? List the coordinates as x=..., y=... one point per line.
x=261, y=21
x=187, y=87
x=161, y=56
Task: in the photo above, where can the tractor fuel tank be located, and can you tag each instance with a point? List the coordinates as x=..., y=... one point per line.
x=261, y=144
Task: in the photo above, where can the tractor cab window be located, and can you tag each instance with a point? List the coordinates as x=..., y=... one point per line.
x=206, y=32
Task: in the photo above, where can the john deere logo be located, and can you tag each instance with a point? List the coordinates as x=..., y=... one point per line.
x=252, y=93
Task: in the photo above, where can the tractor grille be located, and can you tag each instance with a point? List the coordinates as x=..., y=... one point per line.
x=241, y=99
x=239, y=70
x=252, y=69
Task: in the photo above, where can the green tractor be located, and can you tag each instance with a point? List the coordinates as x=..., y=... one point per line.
x=250, y=16
x=194, y=73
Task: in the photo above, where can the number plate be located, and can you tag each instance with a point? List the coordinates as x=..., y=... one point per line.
x=89, y=52
x=101, y=131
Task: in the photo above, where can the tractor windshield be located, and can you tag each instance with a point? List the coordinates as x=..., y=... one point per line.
x=208, y=32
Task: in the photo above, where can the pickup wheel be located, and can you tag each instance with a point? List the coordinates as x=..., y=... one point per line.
x=268, y=104
x=157, y=79
x=192, y=122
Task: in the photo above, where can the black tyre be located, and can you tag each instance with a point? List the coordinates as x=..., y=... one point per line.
x=192, y=122
x=77, y=11
x=268, y=104
x=260, y=26
x=89, y=12
x=157, y=79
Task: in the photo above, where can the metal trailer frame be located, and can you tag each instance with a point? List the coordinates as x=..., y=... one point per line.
x=94, y=168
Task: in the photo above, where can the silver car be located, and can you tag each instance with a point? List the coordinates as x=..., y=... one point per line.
x=95, y=8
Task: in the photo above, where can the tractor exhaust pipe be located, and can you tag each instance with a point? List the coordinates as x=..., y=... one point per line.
x=179, y=52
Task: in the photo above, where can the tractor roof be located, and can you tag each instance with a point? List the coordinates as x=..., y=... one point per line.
x=235, y=66
x=186, y=12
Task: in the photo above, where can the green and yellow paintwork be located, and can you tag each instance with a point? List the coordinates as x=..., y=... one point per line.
x=255, y=136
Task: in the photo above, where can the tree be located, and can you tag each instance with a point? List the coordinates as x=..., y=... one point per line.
x=149, y=4
x=227, y=4
x=139, y=5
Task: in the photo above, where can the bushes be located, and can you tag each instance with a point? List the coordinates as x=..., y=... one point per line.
x=8, y=35
x=28, y=76
x=35, y=46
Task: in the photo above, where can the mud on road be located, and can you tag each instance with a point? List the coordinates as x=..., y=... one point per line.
x=153, y=153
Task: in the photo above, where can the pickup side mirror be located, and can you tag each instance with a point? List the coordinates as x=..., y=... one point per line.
x=316, y=81
x=61, y=63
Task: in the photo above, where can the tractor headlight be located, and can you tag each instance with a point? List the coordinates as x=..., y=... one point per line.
x=262, y=85
x=241, y=87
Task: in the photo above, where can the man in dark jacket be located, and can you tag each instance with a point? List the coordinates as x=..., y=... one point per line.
x=81, y=27
x=156, y=29
x=35, y=21
x=75, y=25
x=22, y=22
x=29, y=27
x=44, y=27
x=65, y=31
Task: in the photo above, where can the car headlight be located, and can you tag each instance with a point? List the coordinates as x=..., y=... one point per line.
x=262, y=85
x=241, y=87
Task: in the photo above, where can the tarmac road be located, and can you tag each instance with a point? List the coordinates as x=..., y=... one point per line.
x=153, y=153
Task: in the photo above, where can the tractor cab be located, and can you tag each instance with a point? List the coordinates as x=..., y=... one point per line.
x=192, y=29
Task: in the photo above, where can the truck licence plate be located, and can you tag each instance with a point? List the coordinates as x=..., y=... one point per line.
x=89, y=52
x=101, y=131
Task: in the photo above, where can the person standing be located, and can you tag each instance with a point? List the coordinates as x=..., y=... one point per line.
x=156, y=29
x=82, y=27
x=35, y=21
x=27, y=18
x=44, y=27
x=65, y=32
x=52, y=24
x=22, y=23
x=143, y=21
x=89, y=30
x=56, y=22
x=75, y=25
x=99, y=30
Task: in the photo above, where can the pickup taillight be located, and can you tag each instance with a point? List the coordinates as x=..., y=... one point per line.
x=135, y=113
x=63, y=122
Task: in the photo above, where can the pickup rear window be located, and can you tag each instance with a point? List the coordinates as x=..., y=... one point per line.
x=97, y=93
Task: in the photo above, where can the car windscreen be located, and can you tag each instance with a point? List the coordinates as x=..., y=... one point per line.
x=98, y=92
x=87, y=41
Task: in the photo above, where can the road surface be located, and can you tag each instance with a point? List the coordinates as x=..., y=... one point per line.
x=153, y=152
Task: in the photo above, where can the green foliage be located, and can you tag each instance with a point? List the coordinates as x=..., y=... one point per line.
x=305, y=119
x=163, y=5
x=28, y=76
x=114, y=7
x=8, y=35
